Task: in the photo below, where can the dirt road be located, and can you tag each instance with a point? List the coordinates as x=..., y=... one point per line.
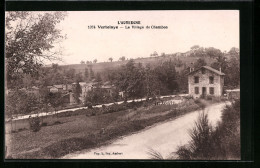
x=163, y=137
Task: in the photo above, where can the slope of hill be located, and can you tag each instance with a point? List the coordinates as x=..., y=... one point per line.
x=99, y=67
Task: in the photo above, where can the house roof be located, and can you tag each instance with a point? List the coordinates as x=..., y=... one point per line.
x=58, y=86
x=53, y=87
x=208, y=68
x=34, y=87
x=82, y=83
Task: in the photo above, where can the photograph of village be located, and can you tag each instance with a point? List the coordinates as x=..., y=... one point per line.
x=156, y=85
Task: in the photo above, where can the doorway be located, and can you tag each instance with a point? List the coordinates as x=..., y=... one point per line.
x=204, y=92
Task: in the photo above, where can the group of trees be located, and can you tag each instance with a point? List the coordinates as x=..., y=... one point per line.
x=88, y=62
x=137, y=81
x=95, y=60
x=197, y=51
x=55, y=75
x=228, y=63
x=30, y=38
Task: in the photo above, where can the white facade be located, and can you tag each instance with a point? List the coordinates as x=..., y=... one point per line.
x=205, y=81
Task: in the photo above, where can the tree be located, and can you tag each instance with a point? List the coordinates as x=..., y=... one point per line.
x=152, y=86
x=166, y=74
x=231, y=68
x=197, y=51
x=70, y=74
x=86, y=73
x=213, y=52
x=78, y=77
x=234, y=51
x=30, y=38
x=98, y=78
x=92, y=76
x=55, y=99
x=76, y=92
x=110, y=59
x=199, y=63
x=195, y=47
x=154, y=54
x=55, y=67
x=95, y=60
x=82, y=62
x=163, y=54
x=232, y=73
x=122, y=58
x=20, y=102
x=130, y=80
x=98, y=96
x=27, y=81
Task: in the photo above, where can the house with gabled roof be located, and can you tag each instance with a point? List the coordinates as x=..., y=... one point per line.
x=205, y=81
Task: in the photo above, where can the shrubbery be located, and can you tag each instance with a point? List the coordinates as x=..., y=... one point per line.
x=207, y=143
x=35, y=124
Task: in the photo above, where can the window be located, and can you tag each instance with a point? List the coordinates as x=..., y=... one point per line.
x=196, y=79
x=211, y=90
x=211, y=80
x=196, y=90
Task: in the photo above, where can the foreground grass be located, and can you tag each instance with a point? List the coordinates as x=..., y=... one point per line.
x=75, y=133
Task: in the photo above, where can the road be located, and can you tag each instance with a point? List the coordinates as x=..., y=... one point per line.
x=163, y=137
x=74, y=109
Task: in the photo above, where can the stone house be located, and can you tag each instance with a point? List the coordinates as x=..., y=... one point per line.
x=59, y=87
x=53, y=89
x=205, y=81
x=67, y=87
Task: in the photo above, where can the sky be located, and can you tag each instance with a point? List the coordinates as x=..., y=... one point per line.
x=207, y=28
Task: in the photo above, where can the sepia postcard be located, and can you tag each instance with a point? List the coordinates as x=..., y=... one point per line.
x=143, y=84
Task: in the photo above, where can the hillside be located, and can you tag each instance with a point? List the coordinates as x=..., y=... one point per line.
x=99, y=67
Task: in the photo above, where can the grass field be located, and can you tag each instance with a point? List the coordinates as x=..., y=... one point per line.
x=64, y=135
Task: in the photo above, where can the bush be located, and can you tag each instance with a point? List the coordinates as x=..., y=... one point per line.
x=200, y=145
x=200, y=103
x=35, y=124
x=44, y=124
x=57, y=122
x=221, y=143
x=21, y=129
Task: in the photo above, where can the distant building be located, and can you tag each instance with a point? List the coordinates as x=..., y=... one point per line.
x=53, y=89
x=34, y=90
x=59, y=87
x=205, y=81
x=233, y=94
x=121, y=94
x=85, y=88
x=108, y=88
x=67, y=87
x=49, y=87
